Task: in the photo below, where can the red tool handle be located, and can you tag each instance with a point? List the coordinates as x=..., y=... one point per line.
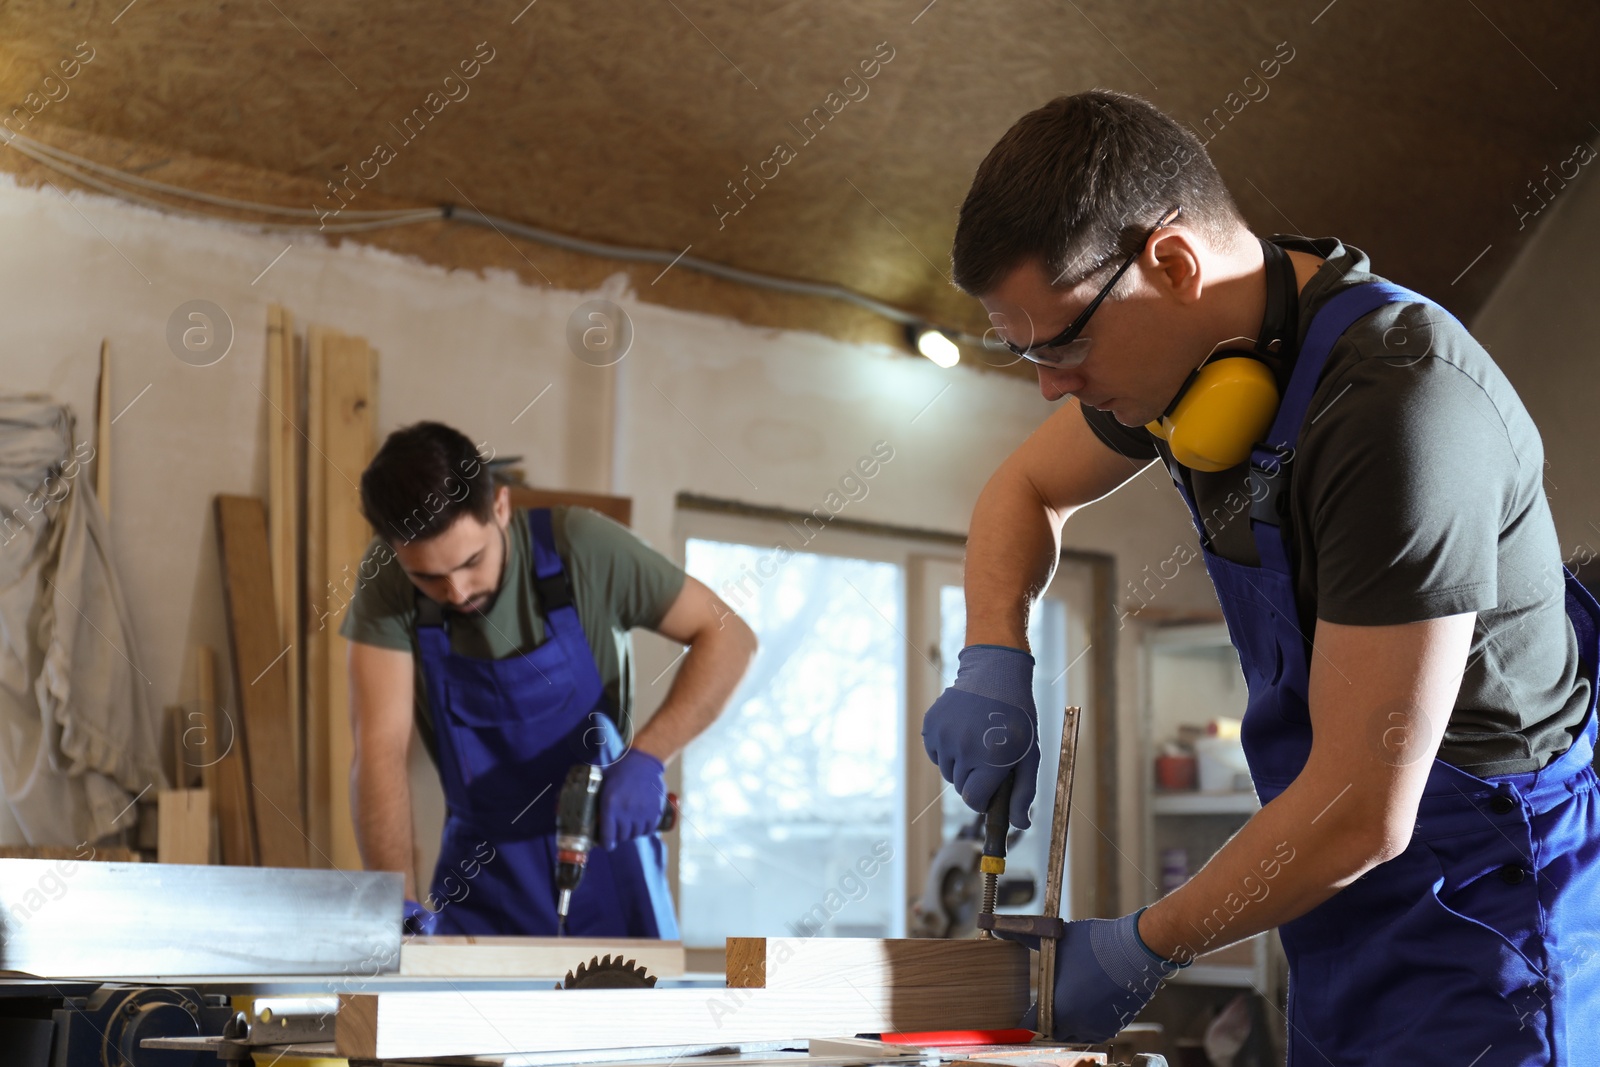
x=945, y=1038
x=669, y=817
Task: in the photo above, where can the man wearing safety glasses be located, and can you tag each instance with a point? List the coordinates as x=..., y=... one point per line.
x=1366, y=488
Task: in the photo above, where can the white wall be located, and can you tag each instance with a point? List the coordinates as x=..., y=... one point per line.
x=700, y=403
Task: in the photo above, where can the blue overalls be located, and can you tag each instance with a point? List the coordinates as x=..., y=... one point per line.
x=1480, y=943
x=507, y=731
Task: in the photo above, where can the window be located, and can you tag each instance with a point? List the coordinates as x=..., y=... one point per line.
x=795, y=789
x=810, y=808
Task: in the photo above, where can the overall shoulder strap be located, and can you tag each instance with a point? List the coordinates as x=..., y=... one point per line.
x=554, y=590
x=549, y=575
x=1271, y=461
x=429, y=613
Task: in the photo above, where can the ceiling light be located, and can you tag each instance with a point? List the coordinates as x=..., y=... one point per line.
x=935, y=345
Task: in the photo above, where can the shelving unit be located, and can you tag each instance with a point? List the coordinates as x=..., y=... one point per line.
x=1204, y=803
x=1190, y=675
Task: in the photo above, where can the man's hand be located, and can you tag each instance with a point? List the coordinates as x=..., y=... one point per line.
x=417, y=921
x=1105, y=975
x=984, y=727
x=632, y=798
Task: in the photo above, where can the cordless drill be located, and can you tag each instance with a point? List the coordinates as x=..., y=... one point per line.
x=577, y=814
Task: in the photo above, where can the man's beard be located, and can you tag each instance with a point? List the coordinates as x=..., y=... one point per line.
x=482, y=606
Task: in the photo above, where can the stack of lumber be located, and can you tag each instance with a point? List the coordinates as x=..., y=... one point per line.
x=276, y=767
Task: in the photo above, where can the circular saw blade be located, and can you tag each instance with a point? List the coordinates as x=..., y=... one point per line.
x=608, y=972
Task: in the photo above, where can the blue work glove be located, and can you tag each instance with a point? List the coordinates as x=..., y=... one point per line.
x=1105, y=975
x=415, y=920
x=984, y=726
x=632, y=798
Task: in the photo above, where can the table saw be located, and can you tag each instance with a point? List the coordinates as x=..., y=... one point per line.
x=149, y=965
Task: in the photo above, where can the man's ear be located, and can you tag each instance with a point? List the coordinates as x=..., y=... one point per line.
x=502, y=506
x=1173, y=263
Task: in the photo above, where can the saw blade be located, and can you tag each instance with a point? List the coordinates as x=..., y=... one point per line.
x=608, y=972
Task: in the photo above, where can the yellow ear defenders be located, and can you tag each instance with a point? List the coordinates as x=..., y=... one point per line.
x=1224, y=408
x=1226, y=405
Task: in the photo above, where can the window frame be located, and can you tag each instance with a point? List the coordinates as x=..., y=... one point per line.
x=1085, y=580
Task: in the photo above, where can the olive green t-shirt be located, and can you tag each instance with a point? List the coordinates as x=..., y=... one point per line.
x=618, y=582
x=1417, y=492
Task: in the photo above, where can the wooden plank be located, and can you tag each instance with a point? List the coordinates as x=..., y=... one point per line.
x=619, y=508
x=319, y=773
x=283, y=505
x=183, y=826
x=220, y=752
x=294, y=615
x=922, y=985
x=260, y=679
x=522, y=957
x=869, y=963
x=102, y=436
x=187, y=732
x=176, y=761
x=347, y=401
x=469, y=1022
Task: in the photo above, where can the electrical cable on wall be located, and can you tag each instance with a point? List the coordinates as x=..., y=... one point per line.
x=99, y=176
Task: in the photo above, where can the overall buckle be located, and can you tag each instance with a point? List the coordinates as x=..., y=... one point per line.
x=1268, y=484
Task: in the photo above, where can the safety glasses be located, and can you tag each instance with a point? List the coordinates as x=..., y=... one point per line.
x=1066, y=349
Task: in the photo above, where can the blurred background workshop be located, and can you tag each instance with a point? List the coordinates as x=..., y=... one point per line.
x=532, y=532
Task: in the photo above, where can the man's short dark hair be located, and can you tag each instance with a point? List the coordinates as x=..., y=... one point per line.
x=1077, y=184
x=422, y=480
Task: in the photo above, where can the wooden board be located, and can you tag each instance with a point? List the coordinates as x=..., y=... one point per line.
x=462, y=1023
x=341, y=373
x=175, y=763
x=350, y=392
x=319, y=775
x=260, y=680
x=183, y=826
x=102, y=436
x=283, y=505
x=522, y=957
x=875, y=987
x=220, y=753
x=869, y=963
